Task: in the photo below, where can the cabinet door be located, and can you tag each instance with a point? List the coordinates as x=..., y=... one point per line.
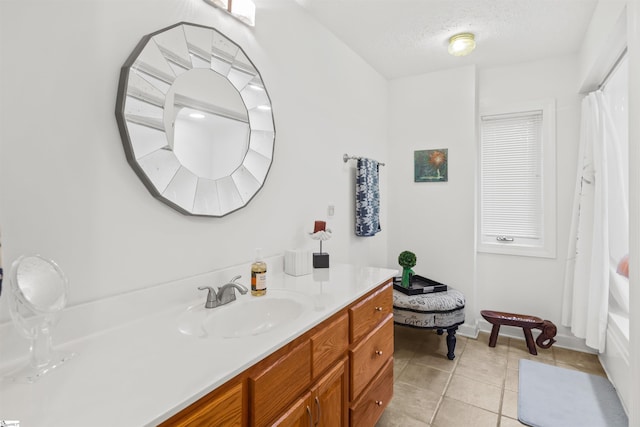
x=298, y=414
x=329, y=406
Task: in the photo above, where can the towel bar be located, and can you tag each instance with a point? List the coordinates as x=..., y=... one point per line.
x=346, y=158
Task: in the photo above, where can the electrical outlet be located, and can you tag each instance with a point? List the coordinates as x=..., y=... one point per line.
x=331, y=210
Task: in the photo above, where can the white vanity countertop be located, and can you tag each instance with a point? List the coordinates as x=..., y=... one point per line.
x=140, y=370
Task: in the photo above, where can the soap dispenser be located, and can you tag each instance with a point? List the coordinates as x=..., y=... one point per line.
x=258, y=275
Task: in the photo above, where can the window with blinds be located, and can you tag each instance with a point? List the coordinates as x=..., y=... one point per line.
x=513, y=201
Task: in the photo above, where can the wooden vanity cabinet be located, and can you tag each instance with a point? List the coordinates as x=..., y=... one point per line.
x=370, y=356
x=340, y=373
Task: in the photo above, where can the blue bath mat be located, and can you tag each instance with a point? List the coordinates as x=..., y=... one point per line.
x=549, y=396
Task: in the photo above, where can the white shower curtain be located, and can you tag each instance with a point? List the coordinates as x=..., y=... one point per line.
x=599, y=215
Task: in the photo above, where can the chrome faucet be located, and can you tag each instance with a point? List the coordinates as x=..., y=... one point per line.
x=225, y=294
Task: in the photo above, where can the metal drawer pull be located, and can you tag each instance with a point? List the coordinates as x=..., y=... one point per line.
x=378, y=308
x=379, y=402
x=310, y=417
x=379, y=352
x=504, y=239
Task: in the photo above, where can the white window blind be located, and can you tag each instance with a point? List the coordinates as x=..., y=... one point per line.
x=511, y=178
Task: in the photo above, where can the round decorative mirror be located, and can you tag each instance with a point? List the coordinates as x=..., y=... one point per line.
x=39, y=290
x=195, y=120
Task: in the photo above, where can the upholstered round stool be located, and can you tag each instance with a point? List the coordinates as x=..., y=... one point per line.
x=437, y=310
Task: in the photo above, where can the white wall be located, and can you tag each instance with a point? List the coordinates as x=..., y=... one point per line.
x=604, y=41
x=67, y=191
x=527, y=284
x=435, y=220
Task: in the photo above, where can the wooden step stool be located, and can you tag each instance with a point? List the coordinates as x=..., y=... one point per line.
x=498, y=318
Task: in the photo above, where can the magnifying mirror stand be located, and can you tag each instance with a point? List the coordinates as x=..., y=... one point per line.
x=39, y=290
x=42, y=357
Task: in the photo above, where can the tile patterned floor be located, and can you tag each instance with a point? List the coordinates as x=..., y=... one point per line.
x=479, y=388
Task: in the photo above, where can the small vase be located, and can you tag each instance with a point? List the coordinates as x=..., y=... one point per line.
x=406, y=277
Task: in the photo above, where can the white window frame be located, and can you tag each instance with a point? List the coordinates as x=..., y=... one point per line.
x=546, y=246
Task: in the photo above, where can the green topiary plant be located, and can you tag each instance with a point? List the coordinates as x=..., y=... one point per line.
x=407, y=260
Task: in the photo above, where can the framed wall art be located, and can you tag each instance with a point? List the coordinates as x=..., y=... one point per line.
x=431, y=165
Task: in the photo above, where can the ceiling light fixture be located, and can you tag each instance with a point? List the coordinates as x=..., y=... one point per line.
x=462, y=44
x=242, y=10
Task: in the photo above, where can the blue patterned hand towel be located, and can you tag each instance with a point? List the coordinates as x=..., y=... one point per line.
x=367, y=198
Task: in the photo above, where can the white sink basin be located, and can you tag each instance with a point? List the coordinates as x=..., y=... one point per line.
x=244, y=317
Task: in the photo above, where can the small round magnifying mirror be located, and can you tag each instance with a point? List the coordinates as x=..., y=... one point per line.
x=39, y=291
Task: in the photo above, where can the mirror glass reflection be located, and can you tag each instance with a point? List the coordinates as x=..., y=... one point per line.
x=195, y=120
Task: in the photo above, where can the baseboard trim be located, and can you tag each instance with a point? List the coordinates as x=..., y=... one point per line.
x=468, y=330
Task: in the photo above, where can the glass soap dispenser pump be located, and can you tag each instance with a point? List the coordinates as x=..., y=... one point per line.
x=258, y=275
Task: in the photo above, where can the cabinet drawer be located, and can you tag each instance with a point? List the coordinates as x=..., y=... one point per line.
x=370, y=355
x=329, y=345
x=368, y=409
x=216, y=409
x=273, y=389
x=369, y=312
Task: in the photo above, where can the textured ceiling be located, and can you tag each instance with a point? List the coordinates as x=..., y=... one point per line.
x=406, y=37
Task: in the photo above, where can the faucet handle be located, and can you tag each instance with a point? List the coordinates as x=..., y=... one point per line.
x=233, y=280
x=212, y=298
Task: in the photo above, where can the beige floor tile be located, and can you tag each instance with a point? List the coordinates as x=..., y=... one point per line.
x=593, y=370
x=585, y=362
x=394, y=418
x=398, y=366
x=467, y=390
x=508, y=422
x=432, y=345
x=403, y=353
x=424, y=377
x=519, y=347
x=491, y=371
x=494, y=355
x=498, y=350
x=483, y=340
x=479, y=377
x=513, y=360
x=414, y=402
x=510, y=404
x=512, y=380
x=518, y=344
x=453, y=413
x=545, y=353
x=438, y=361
